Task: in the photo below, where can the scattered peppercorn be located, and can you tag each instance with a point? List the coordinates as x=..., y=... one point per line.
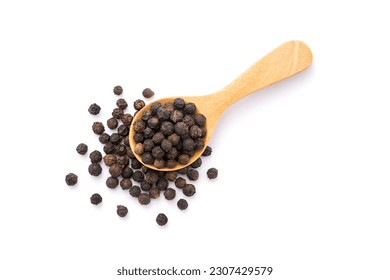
x=139, y=104
x=154, y=192
x=117, y=113
x=189, y=190
x=98, y=128
x=95, y=169
x=118, y=90
x=71, y=179
x=212, y=173
x=144, y=198
x=126, y=184
x=112, y=182
x=104, y=138
x=115, y=170
x=135, y=191
x=95, y=156
x=207, y=151
x=161, y=219
x=96, y=198
x=121, y=211
x=147, y=93
x=82, y=148
x=121, y=103
x=112, y=123
x=180, y=182
x=94, y=109
x=182, y=204
x=169, y=194
x=193, y=174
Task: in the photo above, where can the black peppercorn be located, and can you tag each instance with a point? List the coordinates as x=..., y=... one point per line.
x=212, y=173
x=123, y=161
x=159, y=163
x=97, y=128
x=162, y=184
x=112, y=123
x=109, y=148
x=170, y=175
x=138, y=176
x=183, y=159
x=179, y=103
x=189, y=120
x=166, y=128
x=189, y=190
x=151, y=177
x=188, y=144
x=139, y=125
x=95, y=169
x=144, y=198
x=115, y=170
x=145, y=186
x=115, y=138
x=95, y=156
x=147, y=93
x=193, y=174
x=161, y=219
x=123, y=130
x=182, y=204
x=200, y=119
x=153, y=122
x=154, y=192
x=148, y=145
x=121, y=211
x=169, y=194
x=195, y=132
x=166, y=145
x=171, y=163
x=181, y=128
x=104, y=138
x=197, y=163
x=139, y=104
x=154, y=106
x=96, y=199
x=109, y=159
x=180, y=182
x=148, y=133
x=199, y=143
x=118, y=90
x=117, y=113
x=146, y=115
x=135, y=164
x=139, y=148
x=120, y=150
x=112, y=182
x=127, y=172
x=158, y=152
x=190, y=108
x=130, y=154
x=126, y=184
x=177, y=116
x=207, y=151
x=71, y=179
x=163, y=113
x=138, y=137
x=147, y=158
x=127, y=119
x=121, y=103
x=158, y=137
x=94, y=109
x=135, y=191
x=82, y=148
x=174, y=139
x=183, y=170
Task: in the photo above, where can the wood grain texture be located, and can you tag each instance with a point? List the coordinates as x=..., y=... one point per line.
x=286, y=60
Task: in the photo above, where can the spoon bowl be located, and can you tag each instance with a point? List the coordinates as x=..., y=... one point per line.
x=286, y=60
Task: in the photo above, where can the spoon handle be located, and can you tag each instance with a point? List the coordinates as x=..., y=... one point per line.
x=286, y=60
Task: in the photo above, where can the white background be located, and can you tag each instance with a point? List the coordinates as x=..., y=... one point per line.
x=309, y=196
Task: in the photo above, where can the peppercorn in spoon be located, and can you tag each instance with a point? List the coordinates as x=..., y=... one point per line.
x=171, y=133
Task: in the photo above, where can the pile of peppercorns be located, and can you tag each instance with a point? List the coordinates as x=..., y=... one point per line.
x=166, y=134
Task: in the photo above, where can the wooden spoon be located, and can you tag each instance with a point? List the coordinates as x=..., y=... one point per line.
x=284, y=61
